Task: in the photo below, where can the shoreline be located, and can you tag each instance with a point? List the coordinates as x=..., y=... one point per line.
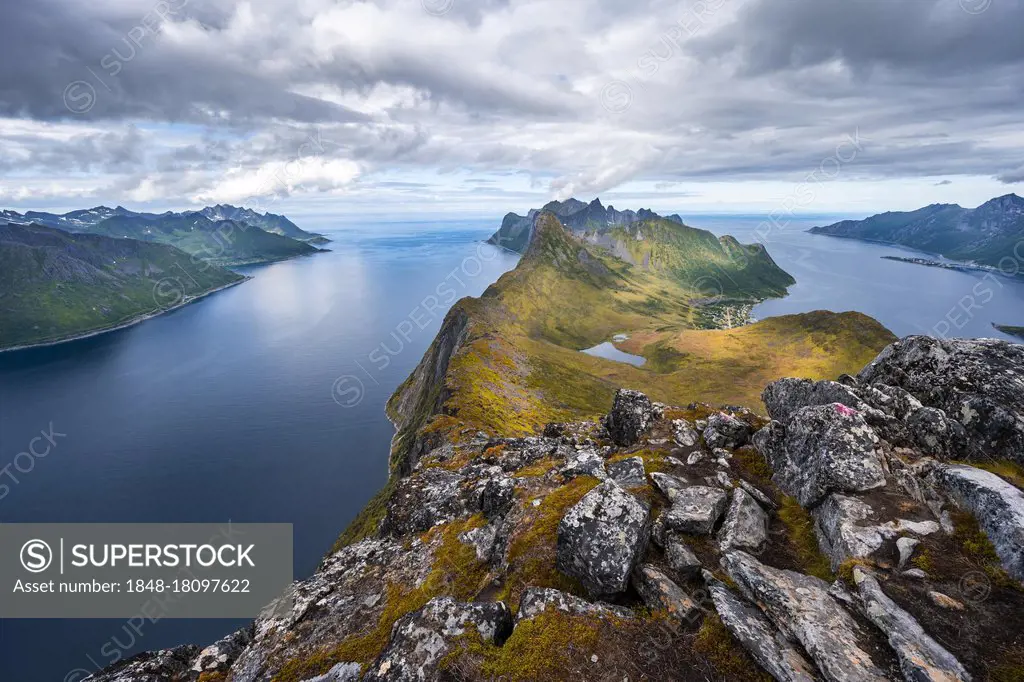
x=150, y=315
x=947, y=264
x=124, y=325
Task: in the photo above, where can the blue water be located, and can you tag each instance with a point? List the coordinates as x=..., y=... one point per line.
x=608, y=351
x=226, y=409
x=843, y=274
x=265, y=402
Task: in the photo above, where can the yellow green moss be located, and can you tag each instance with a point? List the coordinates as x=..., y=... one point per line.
x=979, y=549
x=456, y=572
x=800, y=527
x=532, y=552
x=716, y=643
x=541, y=648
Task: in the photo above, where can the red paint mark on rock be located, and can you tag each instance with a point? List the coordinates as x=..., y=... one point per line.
x=844, y=410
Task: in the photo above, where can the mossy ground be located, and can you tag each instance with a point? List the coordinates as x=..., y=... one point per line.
x=520, y=366
x=532, y=551
x=560, y=647
x=455, y=572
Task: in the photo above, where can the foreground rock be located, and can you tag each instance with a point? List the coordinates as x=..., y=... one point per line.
x=602, y=537
x=537, y=600
x=746, y=524
x=921, y=657
x=847, y=529
x=759, y=637
x=800, y=606
x=726, y=431
x=659, y=592
x=420, y=640
x=998, y=506
x=979, y=383
x=696, y=509
x=822, y=449
x=630, y=417
x=159, y=666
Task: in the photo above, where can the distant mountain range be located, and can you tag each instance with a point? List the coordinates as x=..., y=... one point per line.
x=985, y=235
x=56, y=285
x=579, y=217
x=222, y=234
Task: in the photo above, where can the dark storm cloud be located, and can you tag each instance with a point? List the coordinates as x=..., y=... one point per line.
x=935, y=37
x=62, y=60
x=740, y=90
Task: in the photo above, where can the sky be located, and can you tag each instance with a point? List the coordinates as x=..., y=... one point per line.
x=480, y=107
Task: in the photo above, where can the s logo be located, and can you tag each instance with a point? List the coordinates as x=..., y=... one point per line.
x=36, y=556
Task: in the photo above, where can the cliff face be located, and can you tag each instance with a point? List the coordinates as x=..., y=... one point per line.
x=424, y=393
x=842, y=539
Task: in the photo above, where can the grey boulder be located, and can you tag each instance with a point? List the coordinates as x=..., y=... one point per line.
x=602, y=537
x=802, y=608
x=680, y=557
x=538, y=600
x=419, y=640
x=977, y=382
x=696, y=509
x=631, y=416
x=726, y=431
x=998, y=506
x=921, y=657
x=746, y=524
x=629, y=473
x=822, y=449
x=659, y=592
x=759, y=637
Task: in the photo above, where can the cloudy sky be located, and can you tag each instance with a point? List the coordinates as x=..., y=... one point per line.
x=484, y=106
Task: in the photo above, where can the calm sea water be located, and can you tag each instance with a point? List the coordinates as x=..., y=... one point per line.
x=265, y=402
x=262, y=403
x=843, y=274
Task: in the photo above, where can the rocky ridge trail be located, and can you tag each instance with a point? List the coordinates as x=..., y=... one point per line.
x=870, y=530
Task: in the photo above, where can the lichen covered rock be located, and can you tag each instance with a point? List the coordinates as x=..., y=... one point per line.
x=998, y=506
x=822, y=449
x=977, y=382
x=602, y=537
x=921, y=657
x=801, y=606
x=630, y=417
x=419, y=640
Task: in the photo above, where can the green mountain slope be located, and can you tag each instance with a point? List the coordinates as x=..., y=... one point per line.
x=222, y=234
x=224, y=242
x=987, y=235
x=55, y=285
x=509, y=361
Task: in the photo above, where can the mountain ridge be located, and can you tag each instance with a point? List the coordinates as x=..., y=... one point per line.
x=223, y=234
x=58, y=286
x=986, y=235
x=579, y=217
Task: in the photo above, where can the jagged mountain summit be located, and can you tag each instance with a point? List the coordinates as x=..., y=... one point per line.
x=55, y=285
x=842, y=539
x=223, y=235
x=277, y=224
x=986, y=235
x=579, y=217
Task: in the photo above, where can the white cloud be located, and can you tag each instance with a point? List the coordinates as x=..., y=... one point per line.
x=584, y=96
